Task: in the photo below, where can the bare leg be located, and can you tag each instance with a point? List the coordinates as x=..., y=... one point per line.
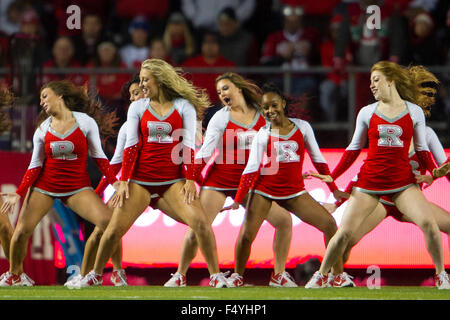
x=413, y=204
x=281, y=220
x=195, y=217
x=90, y=252
x=212, y=201
x=91, y=247
x=121, y=220
x=255, y=214
x=37, y=207
x=88, y=205
x=311, y=212
x=6, y=232
x=378, y=215
x=359, y=206
x=442, y=218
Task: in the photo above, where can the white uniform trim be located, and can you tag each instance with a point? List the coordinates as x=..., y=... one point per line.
x=120, y=145
x=435, y=146
x=214, y=132
x=184, y=108
x=87, y=125
x=259, y=145
x=309, y=139
x=362, y=125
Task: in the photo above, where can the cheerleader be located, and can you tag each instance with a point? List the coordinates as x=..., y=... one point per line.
x=230, y=131
x=387, y=208
x=65, y=135
x=389, y=125
x=279, y=179
x=153, y=163
x=131, y=92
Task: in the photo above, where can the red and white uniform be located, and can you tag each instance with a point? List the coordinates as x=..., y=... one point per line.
x=116, y=161
x=233, y=139
x=439, y=156
x=436, y=150
x=280, y=177
x=58, y=163
x=386, y=168
x=157, y=159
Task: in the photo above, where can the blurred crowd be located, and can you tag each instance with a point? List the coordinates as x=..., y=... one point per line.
x=291, y=34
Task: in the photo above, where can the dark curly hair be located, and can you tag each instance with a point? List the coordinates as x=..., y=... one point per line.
x=126, y=87
x=294, y=106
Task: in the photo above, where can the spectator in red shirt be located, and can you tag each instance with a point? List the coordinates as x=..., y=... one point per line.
x=333, y=89
x=29, y=23
x=295, y=47
x=368, y=45
x=209, y=58
x=25, y=47
x=63, y=57
x=109, y=85
x=423, y=40
x=178, y=38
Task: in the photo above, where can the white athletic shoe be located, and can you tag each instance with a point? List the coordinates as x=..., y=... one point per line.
x=90, y=280
x=342, y=280
x=318, y=280
x=72, y=282
x=330, y=279
x=10, y=280
x=25, y=280
x=6, y=274
x=119, y=278
x=177, y=280
x=235, y=280
x=442, y=280
x=218, y=280
x=282, y=279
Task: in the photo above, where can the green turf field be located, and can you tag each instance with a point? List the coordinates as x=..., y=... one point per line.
x=206, y=293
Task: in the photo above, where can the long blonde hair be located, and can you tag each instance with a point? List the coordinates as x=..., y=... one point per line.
x=173, y=85
x=412, y=83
